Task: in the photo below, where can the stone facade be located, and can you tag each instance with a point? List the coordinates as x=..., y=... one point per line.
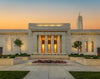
x=58, y=38
x=63, y=30
x=29, y=39
x=89, y=36
x=7, y=38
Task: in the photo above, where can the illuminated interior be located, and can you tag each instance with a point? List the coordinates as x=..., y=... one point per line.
x=55, y=43
x=49, y=43
x=86, y=46
x=42, y=44
x=92, y=46
x=80, y=49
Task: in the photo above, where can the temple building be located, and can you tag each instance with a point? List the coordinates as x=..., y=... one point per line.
x=51, y=38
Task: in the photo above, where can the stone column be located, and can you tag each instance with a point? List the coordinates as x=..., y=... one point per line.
x=39, y=41
x=52, y=45
x=58, y=44
x=63, y=44
x=46, y=44
x=30, y=42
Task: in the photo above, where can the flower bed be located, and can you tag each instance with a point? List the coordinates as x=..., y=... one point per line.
x=49, y=61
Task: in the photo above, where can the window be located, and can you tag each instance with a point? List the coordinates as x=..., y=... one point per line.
x=43, y=41
x=55, y=41
x=92, y=46
x=86, y=46
x=49, y=41
x=80, y=49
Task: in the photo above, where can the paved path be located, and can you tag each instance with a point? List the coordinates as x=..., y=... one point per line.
x=48, y=72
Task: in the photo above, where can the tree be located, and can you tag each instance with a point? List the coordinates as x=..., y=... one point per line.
x=77, y=45
x=18, y=43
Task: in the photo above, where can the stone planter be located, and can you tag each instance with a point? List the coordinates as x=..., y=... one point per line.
x=23, y=58
x=9, y=61
x=89, y=62
x=92, y=62
x=75, y=58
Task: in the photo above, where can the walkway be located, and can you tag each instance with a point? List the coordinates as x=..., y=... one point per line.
x=50, y=72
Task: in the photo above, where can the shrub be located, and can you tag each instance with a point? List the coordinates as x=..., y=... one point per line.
x=16, y=54
x=12, y=56
x=85, y=56
x=4, y=56
x=24, y=54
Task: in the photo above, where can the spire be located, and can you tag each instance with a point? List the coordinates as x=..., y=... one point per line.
x=80, y=22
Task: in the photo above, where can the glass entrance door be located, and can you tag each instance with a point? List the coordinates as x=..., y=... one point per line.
x=49, y=44
x=55, y=43
x=42, y=44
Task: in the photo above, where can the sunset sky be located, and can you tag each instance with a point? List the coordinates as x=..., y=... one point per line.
x=16, y=14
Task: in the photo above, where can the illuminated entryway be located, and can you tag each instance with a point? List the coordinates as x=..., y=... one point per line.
x=48, y=44
x=55, y=43
x=42, y=44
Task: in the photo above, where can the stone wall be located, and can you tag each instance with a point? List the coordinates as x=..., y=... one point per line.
x=8, y=61
x=23, y=58
x=7, y=38
x=86, y=35
x=89, y=62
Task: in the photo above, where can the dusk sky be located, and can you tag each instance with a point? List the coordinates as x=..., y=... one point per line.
x=16, y=14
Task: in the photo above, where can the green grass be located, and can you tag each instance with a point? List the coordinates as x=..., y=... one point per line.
x=13, y=74
x=85, y=75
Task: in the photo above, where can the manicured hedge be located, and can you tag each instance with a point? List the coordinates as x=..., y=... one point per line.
x=85, y=56
x=16, y=55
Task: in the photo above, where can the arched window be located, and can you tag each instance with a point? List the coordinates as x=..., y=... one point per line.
x=86, y=46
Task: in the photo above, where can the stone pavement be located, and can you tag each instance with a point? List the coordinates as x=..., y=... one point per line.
x=50, y=72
